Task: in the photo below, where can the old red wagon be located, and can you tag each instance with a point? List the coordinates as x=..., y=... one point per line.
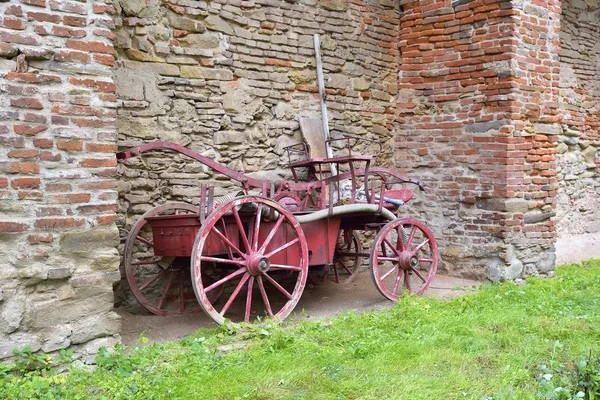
x=249, y=254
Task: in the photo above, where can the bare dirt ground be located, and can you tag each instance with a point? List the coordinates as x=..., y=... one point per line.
x=316, y=303
x=326, y=301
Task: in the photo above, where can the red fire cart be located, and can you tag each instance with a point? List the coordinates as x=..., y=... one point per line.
x=249, y=254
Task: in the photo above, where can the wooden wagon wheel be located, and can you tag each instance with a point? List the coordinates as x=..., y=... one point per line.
x=347, y=260
x=266, y=260
x=161, y=284
x=403, y=257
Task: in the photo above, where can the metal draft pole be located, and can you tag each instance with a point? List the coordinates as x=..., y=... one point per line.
x=321, y=84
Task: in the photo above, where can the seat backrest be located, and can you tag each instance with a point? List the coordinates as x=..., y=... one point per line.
x=312, y=131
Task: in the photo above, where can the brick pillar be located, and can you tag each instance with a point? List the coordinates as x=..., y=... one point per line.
x=476, y=119
x=57, y=180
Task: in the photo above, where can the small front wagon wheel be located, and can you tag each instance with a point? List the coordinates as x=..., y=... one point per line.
x=403, y=258
x=263, y=250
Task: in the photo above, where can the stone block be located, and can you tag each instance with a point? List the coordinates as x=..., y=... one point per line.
x=207, y=40
x=547, y=129
x=216, y=23
x=228, y=137
x=18, y=341
x=155, y=68
x=57, y=338
x=334, y=5
x=89, y=241
x=138, y=55
x=186, y=24
x=504, y=205
x=95, y=326
x=12, y=312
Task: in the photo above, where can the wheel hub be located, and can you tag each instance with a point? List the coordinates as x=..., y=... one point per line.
x=258, y=264
x=408, y=260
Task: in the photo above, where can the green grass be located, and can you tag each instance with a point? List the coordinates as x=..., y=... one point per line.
x=493, y=344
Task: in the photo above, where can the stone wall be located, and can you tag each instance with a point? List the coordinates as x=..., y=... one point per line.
x=474, y=127
x=57, y=183
x=229, y=79
x=578, y=208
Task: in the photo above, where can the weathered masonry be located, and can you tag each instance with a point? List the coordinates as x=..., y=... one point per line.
x=494, y=104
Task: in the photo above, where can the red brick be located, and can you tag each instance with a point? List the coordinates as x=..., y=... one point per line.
x=3, y=182
x=72, y=56
x=29, y=129
x=18, y=38
x=30, y=168
x=43, y=143
x=59, y=223
x=74, y=21
x=33, y=78
x=26, y=102
x=106, y=219
x=276, y=62
x=37, y=118
x=105, y=59
x=58, y=187
x=43, y=17
x=13, y=23
x=69, y=145
x=40, y=238
x=23, y=153
x=15, y=10
x=63, y=31
x=34, y=195
x=98, y=208
x=92, y=46
x=97, y=162
x=101, y=147
x=13, y=227
x=48, y=156
x=100, y=86
x=69, y=198
x=25, y=183
x=97, y=185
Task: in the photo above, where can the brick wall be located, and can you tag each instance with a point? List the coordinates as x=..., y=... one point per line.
x=473, y=126
x=578, y=201
x=57, y=180
x=229, y=79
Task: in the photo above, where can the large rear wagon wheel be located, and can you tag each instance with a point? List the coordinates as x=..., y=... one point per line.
x=161, y=284
x=403, y=258
x=266, y=260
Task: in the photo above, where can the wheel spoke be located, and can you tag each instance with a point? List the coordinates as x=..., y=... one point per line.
x=278, y=286
x=181, y=298
x=141, y=239
x=263, y=293
x=151, y=281
x=386, y=241
x=256, y=228
x=164, y=295
x=420, y=246
x=286, y=267
x=397, y=283
x=345, y=267
x=238, y=221
x=419, y=274
x=249, y=299
x=285, y=246
x=407, y=281
x=145, y=262
x=388, y=273
x=271, y=234
x=234, y=294
x=392, y=259
x=225, y=279
x=337, y=273
x=222, y=260
x=224, y=228
x=428, y=260
x=228, y=242
x=412, y=236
